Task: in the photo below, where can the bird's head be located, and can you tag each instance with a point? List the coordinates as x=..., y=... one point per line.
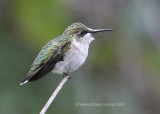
x=82, y=33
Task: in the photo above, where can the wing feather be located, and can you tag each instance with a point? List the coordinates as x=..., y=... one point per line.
x=46, y=59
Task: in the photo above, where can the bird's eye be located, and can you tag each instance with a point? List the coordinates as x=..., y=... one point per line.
x=83, y=32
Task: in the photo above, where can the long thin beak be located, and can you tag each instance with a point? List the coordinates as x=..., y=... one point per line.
x=100, y=30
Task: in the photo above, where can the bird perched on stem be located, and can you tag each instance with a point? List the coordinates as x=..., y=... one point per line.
x=64, y=54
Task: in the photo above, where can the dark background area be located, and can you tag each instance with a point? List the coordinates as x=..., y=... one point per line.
x=123, y=66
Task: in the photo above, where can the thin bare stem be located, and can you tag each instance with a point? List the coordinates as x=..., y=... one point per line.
x=45, y=108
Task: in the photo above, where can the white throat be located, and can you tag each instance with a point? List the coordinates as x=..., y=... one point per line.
x=86, y=39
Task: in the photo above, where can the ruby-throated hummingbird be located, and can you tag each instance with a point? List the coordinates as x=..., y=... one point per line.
x=64, y=54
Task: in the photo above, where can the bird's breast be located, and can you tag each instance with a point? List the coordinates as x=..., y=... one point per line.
x=73, y=58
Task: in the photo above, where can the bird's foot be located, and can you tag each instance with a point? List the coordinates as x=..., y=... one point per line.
x=66, y=74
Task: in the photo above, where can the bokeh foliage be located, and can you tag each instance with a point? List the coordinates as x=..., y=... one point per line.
x=123, y=65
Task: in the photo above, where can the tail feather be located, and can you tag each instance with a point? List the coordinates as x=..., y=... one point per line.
x=23, y=82
x=30, y=76
x=27, y=79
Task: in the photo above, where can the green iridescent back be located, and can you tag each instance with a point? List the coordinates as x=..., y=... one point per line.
x=48, y=50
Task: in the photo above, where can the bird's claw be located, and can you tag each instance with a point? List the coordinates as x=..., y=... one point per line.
x=65, y=74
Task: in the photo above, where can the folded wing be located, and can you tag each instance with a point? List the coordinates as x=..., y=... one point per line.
x=51, y=53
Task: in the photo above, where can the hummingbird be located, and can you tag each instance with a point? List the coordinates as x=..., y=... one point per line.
x=63, y=54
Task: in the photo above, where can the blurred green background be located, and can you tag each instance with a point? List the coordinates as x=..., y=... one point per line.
x=123, y=66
